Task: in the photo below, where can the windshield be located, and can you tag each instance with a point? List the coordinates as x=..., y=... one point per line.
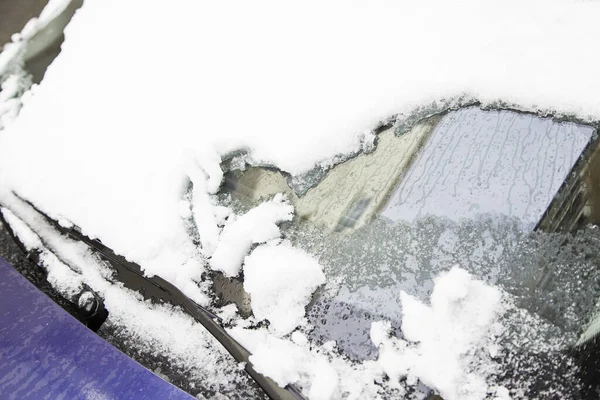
x=466, y=188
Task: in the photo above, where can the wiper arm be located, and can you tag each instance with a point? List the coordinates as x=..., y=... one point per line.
x=132, y=277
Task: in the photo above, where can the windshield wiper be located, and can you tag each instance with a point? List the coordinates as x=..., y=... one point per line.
x=156, y=288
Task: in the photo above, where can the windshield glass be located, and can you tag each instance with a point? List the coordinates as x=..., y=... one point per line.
x=466, y=188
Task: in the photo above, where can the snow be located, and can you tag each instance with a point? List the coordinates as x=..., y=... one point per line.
x=325, y=382
x=439, y=341
x=442, y=346
x=121, y=109
x=41, y=32
x=53, y=9
x=8, y=56
x=29, y=239
x=278, y=359
x=281, y=280
x=21, y=46
x=11, y=100
x=129, y=115
x=10, y=88
x=228, y=312
x=61, y=277
x=259, y=225
x=591, y=331
x=203, y=210
x=318, y=371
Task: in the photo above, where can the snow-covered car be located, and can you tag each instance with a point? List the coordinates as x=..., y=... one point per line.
x=320, y=200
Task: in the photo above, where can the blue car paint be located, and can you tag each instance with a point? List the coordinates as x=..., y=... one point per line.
x=45, y=353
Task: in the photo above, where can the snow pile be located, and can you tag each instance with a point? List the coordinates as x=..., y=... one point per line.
x=259, y=225
x=228, y=313
x=10, y=100
x=24, y=46
x=109, y=129
x=205, y=174
x=283, y=361
x=37, y=34
x=281, y=280
x=52, y=10
x=319, y=372
x=446, y=346
x=66, y=281
x=440, y=341
x=8, y=56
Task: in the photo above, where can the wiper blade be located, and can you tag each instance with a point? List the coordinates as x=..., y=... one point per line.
x=157, y=288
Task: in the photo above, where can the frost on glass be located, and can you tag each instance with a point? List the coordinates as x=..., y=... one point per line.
x=489, y=162
x=464, y=189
